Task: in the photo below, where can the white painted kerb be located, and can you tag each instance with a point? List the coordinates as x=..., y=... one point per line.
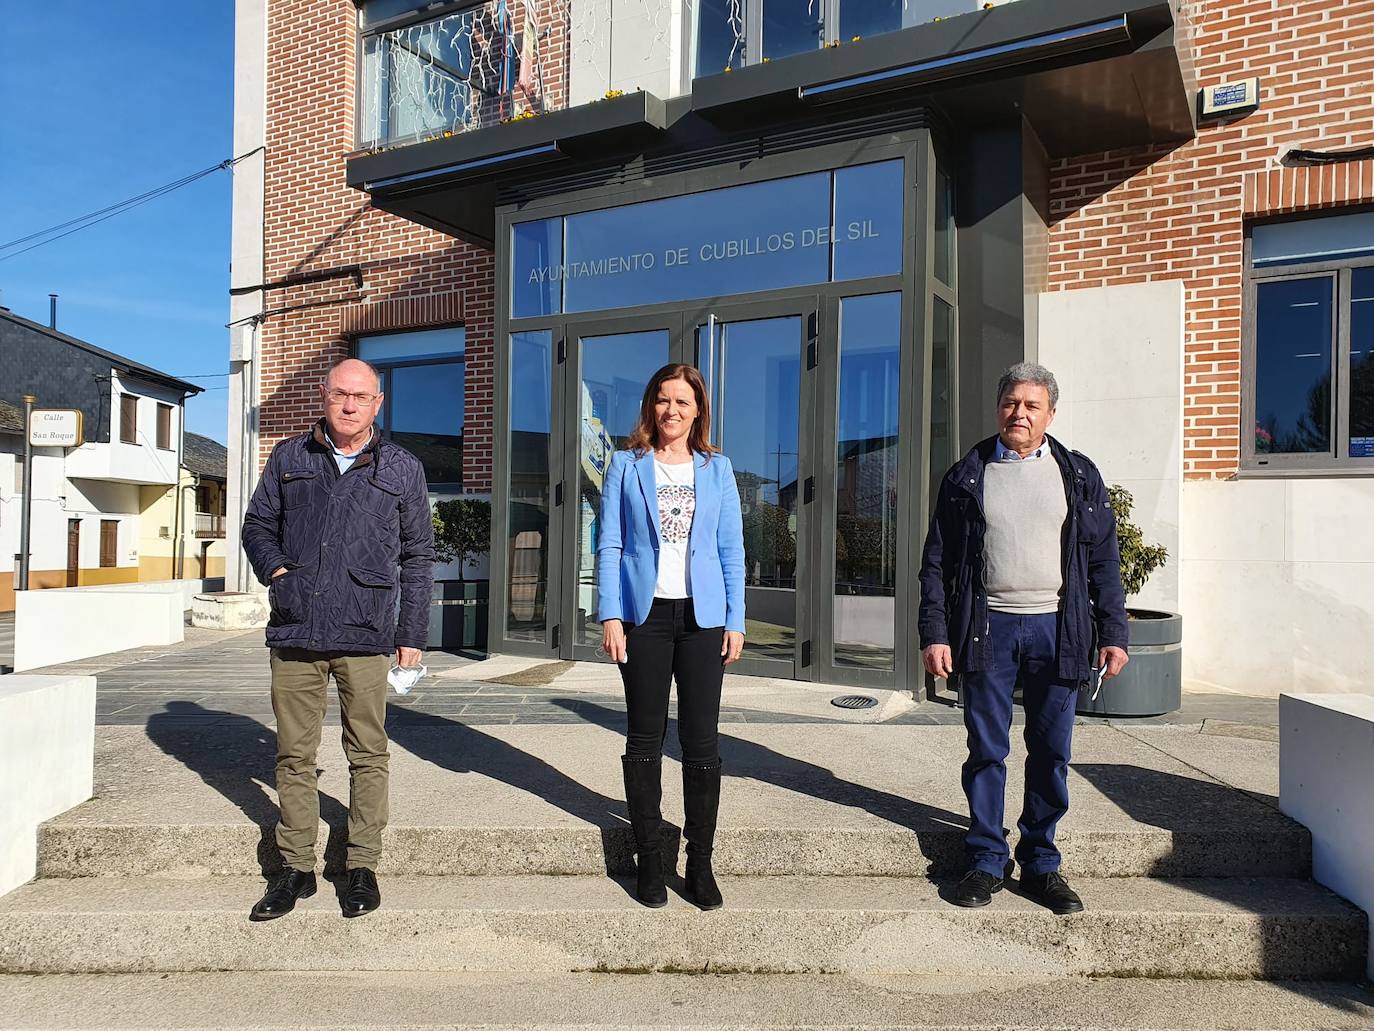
x=1326, y=770
x=70, y=623
x=47, y=759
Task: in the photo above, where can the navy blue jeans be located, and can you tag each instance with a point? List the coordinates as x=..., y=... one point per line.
x=1023, y=655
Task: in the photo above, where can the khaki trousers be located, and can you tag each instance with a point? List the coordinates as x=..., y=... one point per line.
x=299, y=682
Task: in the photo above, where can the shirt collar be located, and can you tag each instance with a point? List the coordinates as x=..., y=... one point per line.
x=354, y=454
x=1002, y=453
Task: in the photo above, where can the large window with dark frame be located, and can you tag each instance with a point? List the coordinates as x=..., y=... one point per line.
x=733, y=33
x=423, y=374
x=1309, y=346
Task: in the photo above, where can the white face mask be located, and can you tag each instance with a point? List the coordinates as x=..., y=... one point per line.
x=403, y=678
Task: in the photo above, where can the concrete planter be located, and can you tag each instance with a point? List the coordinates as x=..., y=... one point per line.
x=458, y=615
x=1152, y=682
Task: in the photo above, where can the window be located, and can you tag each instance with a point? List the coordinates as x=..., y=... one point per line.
x=128, y=418
x=866, y=530
x=164, y=427
x=1309, y=347
x=727, y=29
x=531, y=500
x=423, y=374
x=795, y=231
x=109, y=543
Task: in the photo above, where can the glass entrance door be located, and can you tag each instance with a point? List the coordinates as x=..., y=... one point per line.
x=607, y=368
x=758, y=362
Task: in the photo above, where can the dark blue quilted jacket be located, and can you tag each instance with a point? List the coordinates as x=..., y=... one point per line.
x=343, y=539
x=954, y=601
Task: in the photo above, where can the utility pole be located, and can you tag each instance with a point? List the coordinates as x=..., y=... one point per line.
x=27, y=510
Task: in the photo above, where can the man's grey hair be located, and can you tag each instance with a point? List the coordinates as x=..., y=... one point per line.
x=335, y=364
x=1029, y=372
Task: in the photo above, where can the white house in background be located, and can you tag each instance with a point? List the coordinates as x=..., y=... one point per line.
x=87, y=501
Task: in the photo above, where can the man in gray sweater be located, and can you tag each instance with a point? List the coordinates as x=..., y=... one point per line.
x=1021, y=589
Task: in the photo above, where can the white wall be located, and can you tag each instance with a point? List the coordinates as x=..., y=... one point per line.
x=245, y=272
x=1274, y=577
x=47, y=760
x=629, y=45
x=70, y=623
x=143, y=462
x=1326, y=766
x=1117, y=353
x=92, y=501
x=48, y=527
x=1278, y=585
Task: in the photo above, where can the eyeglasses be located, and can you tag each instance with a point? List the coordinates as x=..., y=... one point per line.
x=338, y=397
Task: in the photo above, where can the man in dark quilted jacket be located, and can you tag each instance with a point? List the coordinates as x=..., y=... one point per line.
x=338, y=528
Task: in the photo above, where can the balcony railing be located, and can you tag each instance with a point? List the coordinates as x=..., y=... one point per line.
x=208, y=525
x=467, y=69
x=496, y=60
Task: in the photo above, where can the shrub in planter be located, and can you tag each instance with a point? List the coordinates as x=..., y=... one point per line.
x=1151, y=683
x=1138, y=559
x=462, y=532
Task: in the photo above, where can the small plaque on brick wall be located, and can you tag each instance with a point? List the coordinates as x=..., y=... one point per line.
x=1230, y=96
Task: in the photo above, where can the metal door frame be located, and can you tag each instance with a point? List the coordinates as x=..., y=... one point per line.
x=806, y=308
x=567, y=467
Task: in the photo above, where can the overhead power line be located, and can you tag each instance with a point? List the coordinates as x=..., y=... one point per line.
x=57, y=232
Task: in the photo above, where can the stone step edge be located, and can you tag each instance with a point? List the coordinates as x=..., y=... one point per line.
x=1204, y=929
x=95, y=850
x=602, y=1002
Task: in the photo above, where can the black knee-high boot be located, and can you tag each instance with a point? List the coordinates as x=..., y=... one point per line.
x=701, y=802
x=644, y=798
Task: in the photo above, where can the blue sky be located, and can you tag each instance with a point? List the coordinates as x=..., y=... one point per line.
x=97, y=104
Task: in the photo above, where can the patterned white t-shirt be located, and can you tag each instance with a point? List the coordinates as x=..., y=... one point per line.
x=677, y=502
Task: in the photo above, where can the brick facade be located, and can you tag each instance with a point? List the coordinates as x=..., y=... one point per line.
x=1118, y=217
x=369, y=271
x=1160, y=213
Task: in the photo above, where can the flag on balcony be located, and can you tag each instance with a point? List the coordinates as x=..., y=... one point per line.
x=528, y=43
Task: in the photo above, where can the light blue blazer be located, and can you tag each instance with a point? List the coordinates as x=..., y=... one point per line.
x=627, y=552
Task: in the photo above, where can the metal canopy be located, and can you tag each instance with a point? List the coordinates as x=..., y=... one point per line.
x=1088, y=75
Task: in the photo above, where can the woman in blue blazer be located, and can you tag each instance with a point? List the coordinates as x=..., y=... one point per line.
x=670, y=584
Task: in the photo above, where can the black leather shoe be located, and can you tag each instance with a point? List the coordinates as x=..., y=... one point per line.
x=283, y=892
x=1052, y=892
x=977, y=887
x=362, y=895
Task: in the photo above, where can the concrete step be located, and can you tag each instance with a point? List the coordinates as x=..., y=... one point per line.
x=74, y=847
x=1220, y=928
x=411, y=999
x=796, y=799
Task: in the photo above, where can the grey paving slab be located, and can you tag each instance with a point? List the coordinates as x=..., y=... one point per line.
x=327, y=1001
x=229, y=672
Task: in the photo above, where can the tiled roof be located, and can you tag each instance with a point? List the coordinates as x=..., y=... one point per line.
x=205, y=457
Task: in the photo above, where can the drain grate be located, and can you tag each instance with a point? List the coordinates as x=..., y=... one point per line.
x=854, y=701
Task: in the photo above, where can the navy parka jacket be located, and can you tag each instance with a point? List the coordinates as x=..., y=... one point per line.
x=342, y=538
x=954, y=601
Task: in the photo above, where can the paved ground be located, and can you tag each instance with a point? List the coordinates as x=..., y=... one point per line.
x=214, y=675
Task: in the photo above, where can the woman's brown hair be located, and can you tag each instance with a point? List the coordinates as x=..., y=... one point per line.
x=645, y=435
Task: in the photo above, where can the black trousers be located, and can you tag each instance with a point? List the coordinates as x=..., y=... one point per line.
x=669, y=646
